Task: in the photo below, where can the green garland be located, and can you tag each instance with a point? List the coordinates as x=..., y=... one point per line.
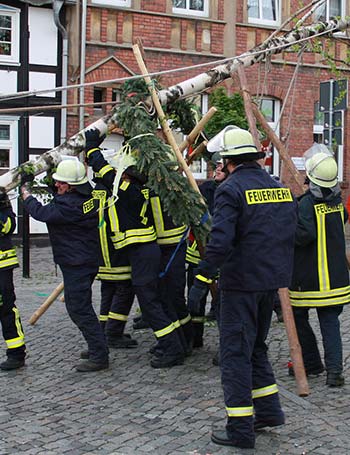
x=155, y=158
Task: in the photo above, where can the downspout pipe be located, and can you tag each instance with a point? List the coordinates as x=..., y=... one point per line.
x=82, y=64
x=57, y=5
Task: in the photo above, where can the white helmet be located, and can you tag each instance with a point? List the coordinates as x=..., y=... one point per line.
x=233, y=141
x=71, y=171
x=322, y=169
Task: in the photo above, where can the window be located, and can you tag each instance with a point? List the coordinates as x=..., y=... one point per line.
x=99, y=97
x=270, y=108
x=191, y=7
x=331, y=8
x=125, y=3
x=8, y=145
x=9, y=34
x=318, y=123
x=265, y=12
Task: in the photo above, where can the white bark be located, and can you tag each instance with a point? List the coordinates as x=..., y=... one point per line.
x=197, y=84
x=51, y=158
x=270, y=47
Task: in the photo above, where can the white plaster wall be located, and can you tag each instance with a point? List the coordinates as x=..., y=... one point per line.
x=41, y=132
x=43, y=37
x=8, y=82
x=42, y=81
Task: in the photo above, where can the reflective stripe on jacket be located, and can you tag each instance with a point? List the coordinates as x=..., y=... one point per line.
x=320, y=275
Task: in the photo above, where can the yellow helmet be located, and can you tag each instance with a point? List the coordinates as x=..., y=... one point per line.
x=71, y=171
x=322, y=170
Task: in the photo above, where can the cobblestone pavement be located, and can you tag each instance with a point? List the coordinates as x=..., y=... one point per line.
x=48, y=408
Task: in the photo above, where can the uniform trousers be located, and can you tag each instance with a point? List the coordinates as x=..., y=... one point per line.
x=78, y=299
x=246, y=374
x=11, y=325
x=172, y=287
x=144, y=259
x=330, y=330
x=121, y=302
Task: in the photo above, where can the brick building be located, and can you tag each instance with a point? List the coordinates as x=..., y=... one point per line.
x=181, y=33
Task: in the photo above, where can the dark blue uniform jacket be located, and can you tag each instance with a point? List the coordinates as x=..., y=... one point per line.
x=72, y=223
x=252, y=237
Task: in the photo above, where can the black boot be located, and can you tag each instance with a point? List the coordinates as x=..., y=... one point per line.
x=12, y=363
x=333, y=379
x=121, y=342
x=221, y=437
x=89, y=365
x=165, y=360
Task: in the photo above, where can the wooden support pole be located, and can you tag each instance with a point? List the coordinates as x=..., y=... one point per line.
x=294, y=346
x=48, y=302
x=297, y=177
x=197, y=129
x=248, y=106
x=196, y=153
x=170, y=138
x=166, y=129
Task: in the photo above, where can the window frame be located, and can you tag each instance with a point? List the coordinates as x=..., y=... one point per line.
x=14, y=58
x=260, y=21
x=190, y=12
x=275, y=125
x=326, y=4
x=111, y=3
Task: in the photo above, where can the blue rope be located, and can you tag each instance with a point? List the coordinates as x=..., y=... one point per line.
x=204, y=219
x=162, y=274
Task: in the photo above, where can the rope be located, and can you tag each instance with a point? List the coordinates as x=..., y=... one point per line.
x=159, y=73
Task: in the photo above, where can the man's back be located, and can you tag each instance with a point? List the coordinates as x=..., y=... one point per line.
x=254, y=224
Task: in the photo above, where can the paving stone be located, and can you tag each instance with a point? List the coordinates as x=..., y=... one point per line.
x=50, y=409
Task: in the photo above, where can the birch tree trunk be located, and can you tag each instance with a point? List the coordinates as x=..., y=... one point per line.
x=197, y=84
x=51, y=158
x=270, y=47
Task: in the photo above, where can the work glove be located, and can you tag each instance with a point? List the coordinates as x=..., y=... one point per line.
x=197, y=292
x=26, y=178
x=93, y=139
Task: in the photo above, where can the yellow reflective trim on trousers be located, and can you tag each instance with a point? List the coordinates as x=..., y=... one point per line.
x=240, y=412
x=15, y=342
x=265, y=391
x=198, y=319
x=117, y=316
x=177, y=324
x=162, y=332
x=103, y=317
x=322, y=262
x=7, y=226
x=185, y=320
x=18, y=323
x=319, y=294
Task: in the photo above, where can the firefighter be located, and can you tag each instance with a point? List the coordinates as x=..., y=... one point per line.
x=133, y=231
x=251, y=242
x=9, y=315
x=72, y=222
x=320, y=275
x=207, y=189
x=172, y=241
x=117, y=295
